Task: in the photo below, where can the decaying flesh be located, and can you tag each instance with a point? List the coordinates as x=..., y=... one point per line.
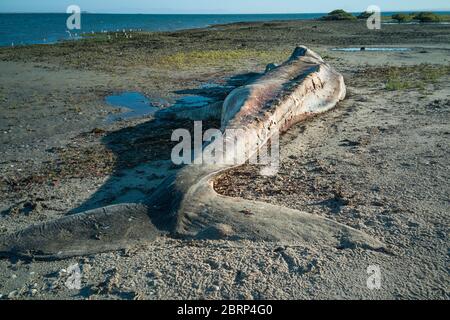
x=185, y=204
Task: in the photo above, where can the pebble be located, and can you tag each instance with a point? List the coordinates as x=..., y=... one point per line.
x=213, y=264
x=87, y=267
x=156, y=274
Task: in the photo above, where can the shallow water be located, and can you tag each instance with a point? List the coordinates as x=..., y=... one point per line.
x=192, y=101
x=138, y=104
x=32, y=28
x=369, y=49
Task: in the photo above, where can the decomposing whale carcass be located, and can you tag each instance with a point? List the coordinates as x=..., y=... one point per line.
x=186, y=205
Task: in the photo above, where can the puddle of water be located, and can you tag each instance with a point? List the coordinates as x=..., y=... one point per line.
x=369, y=49
x=212, y=85
x=192, y=101
x=185, y=104
x=138, y=104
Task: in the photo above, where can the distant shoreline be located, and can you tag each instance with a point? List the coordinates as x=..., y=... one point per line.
x=19, y=29
x=446, y=11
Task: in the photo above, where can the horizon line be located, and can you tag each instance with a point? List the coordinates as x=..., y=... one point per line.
x=215, y=13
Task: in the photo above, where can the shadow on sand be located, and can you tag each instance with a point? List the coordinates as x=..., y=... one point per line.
x=143, y=152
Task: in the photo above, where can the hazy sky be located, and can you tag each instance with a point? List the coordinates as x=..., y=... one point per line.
x=222, y=6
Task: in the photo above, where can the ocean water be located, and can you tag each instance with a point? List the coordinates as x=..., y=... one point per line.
x=33, y=28
x=20, y=29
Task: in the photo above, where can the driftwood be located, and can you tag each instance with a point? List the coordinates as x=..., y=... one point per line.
x=185, y=204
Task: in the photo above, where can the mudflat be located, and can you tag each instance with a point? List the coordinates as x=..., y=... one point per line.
x=378, y=162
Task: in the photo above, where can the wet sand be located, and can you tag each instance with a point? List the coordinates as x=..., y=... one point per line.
x=378, y=162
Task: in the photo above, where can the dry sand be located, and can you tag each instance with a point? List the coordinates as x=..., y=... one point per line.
x=379, y=162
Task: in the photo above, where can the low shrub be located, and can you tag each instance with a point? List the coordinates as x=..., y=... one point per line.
x=402, y=17
x=339, y=14
x=426, y=17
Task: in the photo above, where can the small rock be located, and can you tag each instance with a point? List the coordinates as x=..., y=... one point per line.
x=97, y=131
x=213, y=264
x=14, y=211
x=155, y=274
x=247, y=212
x=214, y=288
x=87, y=267
x=12, y=294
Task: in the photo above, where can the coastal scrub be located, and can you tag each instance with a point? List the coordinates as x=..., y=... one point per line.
x=185, y=60
x=339, y=15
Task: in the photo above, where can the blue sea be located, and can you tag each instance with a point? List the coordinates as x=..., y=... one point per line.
x=20, y=29
x=40, y=28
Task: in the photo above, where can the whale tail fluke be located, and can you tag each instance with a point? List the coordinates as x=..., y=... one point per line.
x=100, y=230
x=203, y=207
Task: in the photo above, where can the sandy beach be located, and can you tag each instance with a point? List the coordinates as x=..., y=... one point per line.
x=378, y=162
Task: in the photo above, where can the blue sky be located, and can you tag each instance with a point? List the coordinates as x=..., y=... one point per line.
x=219, y=6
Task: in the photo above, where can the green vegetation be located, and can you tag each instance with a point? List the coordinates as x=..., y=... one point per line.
x=414, y=77
x=395, y=84
x=184, y=60
x=420, y=17
x=402, y=17
x=426, y=17
x=339, y=14
x=365, y=15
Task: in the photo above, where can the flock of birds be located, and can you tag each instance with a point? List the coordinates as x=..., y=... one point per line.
x=117, y=32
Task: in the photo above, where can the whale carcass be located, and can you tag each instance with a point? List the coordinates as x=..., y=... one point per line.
x=185, y=204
